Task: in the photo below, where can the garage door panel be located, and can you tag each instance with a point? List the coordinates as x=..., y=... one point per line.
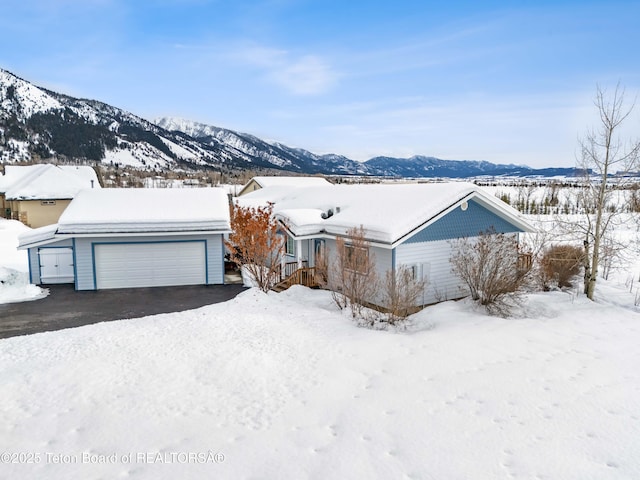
x=150, y=264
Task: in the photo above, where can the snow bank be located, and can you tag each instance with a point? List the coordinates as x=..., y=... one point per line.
x=284, y=386
x=15, y=287
x=14, y=267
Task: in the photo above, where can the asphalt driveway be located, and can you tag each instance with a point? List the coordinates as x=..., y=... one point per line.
x=66, y=308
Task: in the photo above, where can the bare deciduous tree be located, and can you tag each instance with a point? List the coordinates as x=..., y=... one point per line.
x=604, y=153
x=353, y=279
x=489, y=266
x=255, y=245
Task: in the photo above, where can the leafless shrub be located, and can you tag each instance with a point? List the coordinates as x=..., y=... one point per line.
x=612, y=254
x=439, y=295
x=353, y=279
x=491, y=267
x=402, y=290
x=560, y=264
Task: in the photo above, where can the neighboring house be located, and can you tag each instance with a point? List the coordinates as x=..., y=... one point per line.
x=38, y=194
x=127, y=238
x=407, y=224
x=257, y=183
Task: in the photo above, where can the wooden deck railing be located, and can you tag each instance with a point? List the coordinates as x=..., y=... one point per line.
x=290, y=268
x=525, y=261
x=305, y=276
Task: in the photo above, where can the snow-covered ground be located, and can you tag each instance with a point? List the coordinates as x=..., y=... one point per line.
x=285, y=386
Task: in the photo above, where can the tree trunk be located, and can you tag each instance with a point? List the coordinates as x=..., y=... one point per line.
x=587, y=266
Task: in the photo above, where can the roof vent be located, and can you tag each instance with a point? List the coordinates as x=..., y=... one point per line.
x=327, y=214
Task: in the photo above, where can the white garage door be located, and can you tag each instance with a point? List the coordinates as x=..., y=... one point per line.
x=160, y=264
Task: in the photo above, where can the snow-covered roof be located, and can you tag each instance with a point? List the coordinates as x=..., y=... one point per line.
x=387, y=212
x=45, y=181
x=146, y=210
x=37, y=235
x=291, y=181
x=285, y=182
x=137, y=211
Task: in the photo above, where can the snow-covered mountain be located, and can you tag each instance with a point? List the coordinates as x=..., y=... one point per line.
x=37, y=123
x=262, y=153
x=421, y=166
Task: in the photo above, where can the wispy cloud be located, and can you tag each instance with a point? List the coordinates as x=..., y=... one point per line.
x=297, y=74
x=540, y=129
x=308, y=75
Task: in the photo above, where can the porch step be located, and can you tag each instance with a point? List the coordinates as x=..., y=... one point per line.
x=280, y=287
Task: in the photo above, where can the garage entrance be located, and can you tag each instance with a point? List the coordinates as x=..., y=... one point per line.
x=150, y=264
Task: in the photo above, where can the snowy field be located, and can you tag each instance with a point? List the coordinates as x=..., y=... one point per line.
x=284, y=386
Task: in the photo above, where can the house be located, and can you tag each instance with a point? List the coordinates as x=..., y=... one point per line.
x=127, y=238
x=38, y=194
x=256, y=183
x=404, y=224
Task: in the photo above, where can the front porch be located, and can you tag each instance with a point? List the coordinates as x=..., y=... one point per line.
x=297, y=273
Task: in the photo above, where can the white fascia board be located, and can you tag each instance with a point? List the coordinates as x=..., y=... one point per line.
x=39, y=243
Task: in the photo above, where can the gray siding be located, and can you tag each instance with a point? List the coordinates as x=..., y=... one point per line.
x=463, y=223
x=432, y=260
x=215, y=259
x=383, y=263
x=84, y=264
x=85, y=279
x=34, y=265
x=305, y=251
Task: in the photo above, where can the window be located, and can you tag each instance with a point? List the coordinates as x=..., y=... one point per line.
x=48, y=202
x=357, y=259
x=413, y=271
x=290, y=248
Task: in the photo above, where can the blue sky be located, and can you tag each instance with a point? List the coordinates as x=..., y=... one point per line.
x=508, y=82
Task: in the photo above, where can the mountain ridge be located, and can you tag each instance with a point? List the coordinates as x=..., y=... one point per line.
x=39, y=124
